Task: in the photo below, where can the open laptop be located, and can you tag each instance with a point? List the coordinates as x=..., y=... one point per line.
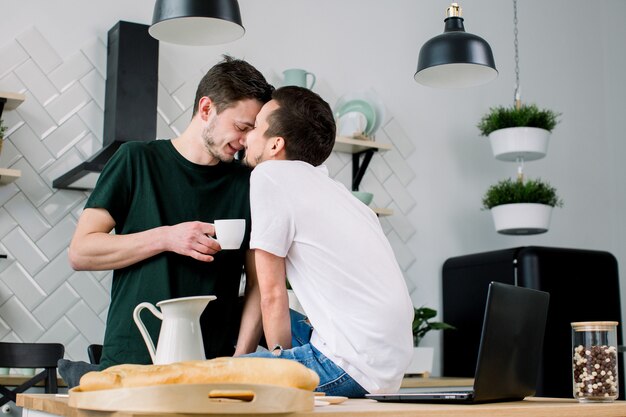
x=509, y=354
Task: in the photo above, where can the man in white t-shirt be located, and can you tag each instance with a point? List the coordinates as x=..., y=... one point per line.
x=311, y=229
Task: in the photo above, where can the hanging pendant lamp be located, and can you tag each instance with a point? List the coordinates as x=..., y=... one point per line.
x=455, y=58
x=196, y=22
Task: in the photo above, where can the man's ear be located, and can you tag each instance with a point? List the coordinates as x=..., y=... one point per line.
x=205, y=106
x=277, y=147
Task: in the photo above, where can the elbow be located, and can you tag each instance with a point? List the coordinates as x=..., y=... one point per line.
x=76, y=261
x=275, y=299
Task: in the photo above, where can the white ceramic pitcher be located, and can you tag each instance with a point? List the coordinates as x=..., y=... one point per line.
x=180, y=338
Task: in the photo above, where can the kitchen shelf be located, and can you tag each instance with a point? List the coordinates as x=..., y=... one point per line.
x=358, y=147
x=9, y=175
x=9, y=101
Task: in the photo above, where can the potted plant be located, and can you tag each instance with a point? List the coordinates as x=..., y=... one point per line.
x=518, y=132
x=521, y=207
x=422, y=361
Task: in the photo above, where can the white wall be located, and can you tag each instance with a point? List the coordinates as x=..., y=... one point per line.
x=570, y=60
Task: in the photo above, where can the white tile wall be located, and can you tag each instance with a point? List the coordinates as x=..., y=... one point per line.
x=58, y=126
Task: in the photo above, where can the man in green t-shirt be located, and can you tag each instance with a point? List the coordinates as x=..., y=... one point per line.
x=161, y=198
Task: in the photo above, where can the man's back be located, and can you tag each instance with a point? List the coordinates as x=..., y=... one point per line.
x=340, y=266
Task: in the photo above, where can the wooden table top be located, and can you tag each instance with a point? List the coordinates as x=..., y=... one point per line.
x=531, y=407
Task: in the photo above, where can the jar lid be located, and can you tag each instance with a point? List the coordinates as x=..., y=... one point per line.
x=594, y=325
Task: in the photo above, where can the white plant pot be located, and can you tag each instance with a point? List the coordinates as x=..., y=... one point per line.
x=521, y=218
x=528, y=143
x=422, y=361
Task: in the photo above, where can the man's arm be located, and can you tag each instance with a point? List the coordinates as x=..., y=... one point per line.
x=274, y=301
x=251, y=327
x=93, y=248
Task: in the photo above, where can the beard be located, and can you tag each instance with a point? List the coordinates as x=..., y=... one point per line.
x=211, y=146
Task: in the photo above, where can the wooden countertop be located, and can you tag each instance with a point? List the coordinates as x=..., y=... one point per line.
x=531, y=407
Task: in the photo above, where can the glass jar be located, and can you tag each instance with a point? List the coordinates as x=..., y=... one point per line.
x=594, y=361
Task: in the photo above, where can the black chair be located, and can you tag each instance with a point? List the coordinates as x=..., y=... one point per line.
x=31, y=355
x=94, y=352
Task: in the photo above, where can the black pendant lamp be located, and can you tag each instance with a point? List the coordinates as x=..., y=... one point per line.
x=455, y=59
x=196, y=22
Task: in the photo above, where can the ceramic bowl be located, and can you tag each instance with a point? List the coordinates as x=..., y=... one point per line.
x=364, y=196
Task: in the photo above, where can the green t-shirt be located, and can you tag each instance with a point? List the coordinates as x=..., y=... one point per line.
x=149, y=184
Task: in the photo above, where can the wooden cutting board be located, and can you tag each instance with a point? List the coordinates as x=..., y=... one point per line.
x=196, y=399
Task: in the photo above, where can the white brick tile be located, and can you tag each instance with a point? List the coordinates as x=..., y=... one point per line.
x=90, y=290
x=36, y=82
x=12, y=338
x=186, y=94
x=7, y=223
x=89, y=145
x=66, y=136
x=166, y=106
x=68, y=103
x=76, y=350
x=400, y=168
x=371, y=184
x=55, y=273
x=12, y=56
x=95, y=85
x=86, y=321
x=13, y=121
x=106, y=280
x=63, y=164
x=400, y=139
x=104, y=314
x=23, y=286
x=93, y=117
x=378, y=166
x=6, y=262
x=96, y=52
x=70, y=71
x=39, y=49
x=180, y=124
x=31, y=184
x=36, y=116
x=30, y=220
x=58, y=238
x=24, y=250
x=410, y=285
x=4, y=330
x=62, y=331
x=334, y=164
x=163, y=129
x=59, y=205
x=7, y=192
x=55, y=305
x=403, y=255
x=399, y=193
x=401, y=224
x=169, y=75
x=385, y=225
x=11, y=83
x=21, y=321
x=10, y=154
x=5, y=292
x=32, y=148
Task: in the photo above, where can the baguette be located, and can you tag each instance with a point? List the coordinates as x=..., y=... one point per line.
x=282, y=372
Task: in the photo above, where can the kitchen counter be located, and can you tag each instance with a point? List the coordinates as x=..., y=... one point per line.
x=51, y=404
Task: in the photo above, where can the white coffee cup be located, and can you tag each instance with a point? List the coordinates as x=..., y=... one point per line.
x=230, y=232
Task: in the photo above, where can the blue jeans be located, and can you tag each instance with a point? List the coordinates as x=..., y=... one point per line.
x=333, y=379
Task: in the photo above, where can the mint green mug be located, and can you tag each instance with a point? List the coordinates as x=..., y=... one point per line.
x=298, y=77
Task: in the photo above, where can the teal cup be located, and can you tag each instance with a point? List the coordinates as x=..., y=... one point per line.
x=298, y=77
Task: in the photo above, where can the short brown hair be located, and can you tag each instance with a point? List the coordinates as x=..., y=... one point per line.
x=230, y=81
x=305, y=121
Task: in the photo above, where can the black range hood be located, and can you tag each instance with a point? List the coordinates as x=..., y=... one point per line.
x=130, y=103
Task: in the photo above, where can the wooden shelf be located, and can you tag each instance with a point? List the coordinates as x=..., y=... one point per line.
x=9, y=101
x=352, y=145
x=9, y=175
x=381, y=211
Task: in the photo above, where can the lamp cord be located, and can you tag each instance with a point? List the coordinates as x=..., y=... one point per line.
x=516, y=99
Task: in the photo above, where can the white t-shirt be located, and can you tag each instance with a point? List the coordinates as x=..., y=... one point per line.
x=340, y=266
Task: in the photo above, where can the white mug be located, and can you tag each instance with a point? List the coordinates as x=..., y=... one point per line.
x=230, y=232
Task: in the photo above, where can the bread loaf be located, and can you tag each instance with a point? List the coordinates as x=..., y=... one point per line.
x=282, y=372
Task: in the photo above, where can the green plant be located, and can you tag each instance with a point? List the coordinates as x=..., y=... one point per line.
x=519, y=191
x=422, y=323
x=527, y=115
x=3, y=128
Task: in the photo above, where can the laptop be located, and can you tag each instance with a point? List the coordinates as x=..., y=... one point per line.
x=509, y=355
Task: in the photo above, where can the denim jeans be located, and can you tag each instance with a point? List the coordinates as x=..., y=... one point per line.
x=333, y=379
